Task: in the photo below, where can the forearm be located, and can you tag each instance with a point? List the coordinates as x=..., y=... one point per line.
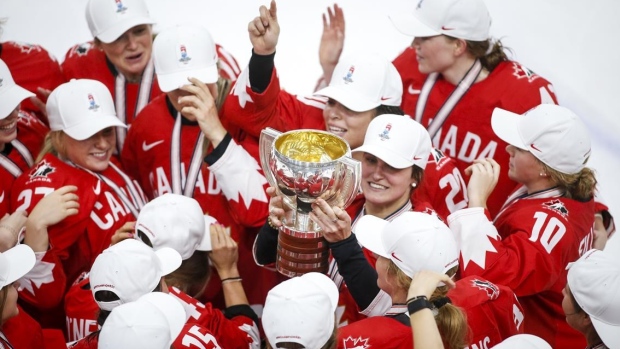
x=261, y=68
x=266, y=245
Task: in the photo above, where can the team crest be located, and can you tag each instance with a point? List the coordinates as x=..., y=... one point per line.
x=83, y=49
x=41, y=171
x=120, y=8
x=347, y=78
x=491, y=289
x=557, y=206
x=385, y=135
x=522, y=72
x=184, y=56
x=355, y=343
x=92, y=104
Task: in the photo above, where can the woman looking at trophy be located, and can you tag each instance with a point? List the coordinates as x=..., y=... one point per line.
x=362, y=87
x=394, y=155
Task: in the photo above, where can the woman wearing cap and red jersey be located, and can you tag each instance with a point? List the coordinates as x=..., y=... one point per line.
x=77, y=151
x=21, y=135
x=545, y=224
x=394, y=154
x=181, y=143
x=449, y=50
x=364, y=86
x=120, y=56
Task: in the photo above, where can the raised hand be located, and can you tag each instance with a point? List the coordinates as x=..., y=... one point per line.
x=484, y=174
x=125, y=232
x=425, y=282
x=224, y=253
x=199, y=105
x=332, y=41
x=264, y=30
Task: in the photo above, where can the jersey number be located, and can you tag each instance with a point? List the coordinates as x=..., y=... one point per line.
x=26, y=196
x=199, y=340
x=552, y=231
x=457, y=184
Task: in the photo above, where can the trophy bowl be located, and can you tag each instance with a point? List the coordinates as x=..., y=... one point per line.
x=304, y=165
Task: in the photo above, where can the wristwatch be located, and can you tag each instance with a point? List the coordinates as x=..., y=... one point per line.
x=417, y=303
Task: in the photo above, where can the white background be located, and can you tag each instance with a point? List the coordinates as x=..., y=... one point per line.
x=572, y=43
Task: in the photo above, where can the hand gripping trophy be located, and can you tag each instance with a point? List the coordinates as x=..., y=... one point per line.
x=304, y=165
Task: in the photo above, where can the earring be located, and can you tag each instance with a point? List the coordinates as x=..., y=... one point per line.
x=413, y=185
x=543, y=174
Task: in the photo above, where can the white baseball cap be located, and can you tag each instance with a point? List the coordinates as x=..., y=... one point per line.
x=81, y=108
x=175, y=221
x=109, y=19
x=131, y=269
x=11, y=94
x=414, y=241
x=553, y=134
x=301, y=310
x=184, y=51
x=398, y=140
x=594, y=281
x=151, y=322
x=364, y=82
x=523, y=341
x=463, y=19
x=15, y=263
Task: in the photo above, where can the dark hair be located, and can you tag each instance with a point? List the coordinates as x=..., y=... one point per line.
x=193, y=274
x=388, y=109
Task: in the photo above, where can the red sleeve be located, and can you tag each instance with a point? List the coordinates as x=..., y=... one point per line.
x=44, y=285
x=530, y=258
x=443, y=185
x=273, y=108
x=23, y=331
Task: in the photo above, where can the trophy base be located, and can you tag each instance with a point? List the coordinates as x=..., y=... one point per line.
x=301, y=252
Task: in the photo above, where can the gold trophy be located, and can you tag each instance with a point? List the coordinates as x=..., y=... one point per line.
x=304, y=165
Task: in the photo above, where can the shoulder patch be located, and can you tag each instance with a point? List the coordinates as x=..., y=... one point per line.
x=27, y=48
x=522, y=72
x=491, y=289
x=41, y=172
x=557, y=206
x=355, y=343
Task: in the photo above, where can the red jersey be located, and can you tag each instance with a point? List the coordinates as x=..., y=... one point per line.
x=442, y=186
x=32, y=67
x=527, y=249
x=493, y=311
x=18, y=155
x=107, y=201
x=164, y=152
x=466, y=134
x=377, y=332
x=81, y=310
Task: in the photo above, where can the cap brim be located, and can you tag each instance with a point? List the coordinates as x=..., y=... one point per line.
x=505, y=125
x=90, y=126
x=350, y=100
x=386, y=155
x=368, y=232
x=607, y=332
x=409, y=24
x=205, y=244
x=113, y=33
x=169, y=306
x=169, y=258
x=172, y=81
x=11, y=97
x=21, y=260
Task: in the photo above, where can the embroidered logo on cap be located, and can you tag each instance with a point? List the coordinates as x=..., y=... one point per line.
x=347, y=78
x=184, y=56
x=92, y=105
x=120, y=8
x=385, y=134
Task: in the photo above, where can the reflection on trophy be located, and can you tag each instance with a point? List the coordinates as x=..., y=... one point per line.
x=304, y=165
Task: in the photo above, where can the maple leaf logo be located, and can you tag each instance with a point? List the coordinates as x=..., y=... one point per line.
x=355, y=343
x=475, y=243
x=491, y=289
x=243, y=178
x=40, y=274
x=557, y=206
x=522, y=72
x=239, y=90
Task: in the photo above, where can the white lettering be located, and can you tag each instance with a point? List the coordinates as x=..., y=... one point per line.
x=109, y=221
x=474, y=140
x=449, y=143
x=553, y=231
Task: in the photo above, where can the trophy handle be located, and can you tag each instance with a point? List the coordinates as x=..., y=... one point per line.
x=350, y=182
x=267, y=137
